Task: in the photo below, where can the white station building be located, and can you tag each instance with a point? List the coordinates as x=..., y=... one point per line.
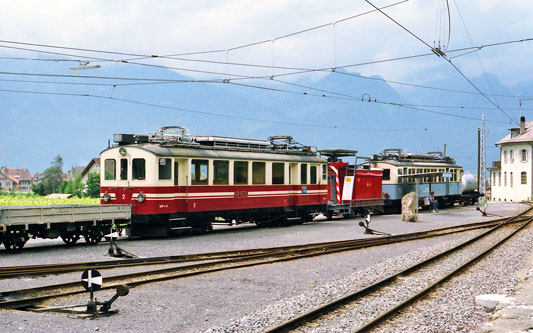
x=511, y=175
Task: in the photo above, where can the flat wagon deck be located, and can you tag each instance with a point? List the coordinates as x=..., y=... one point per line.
x=20, y=223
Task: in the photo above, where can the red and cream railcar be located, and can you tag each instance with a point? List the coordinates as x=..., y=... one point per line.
x=354, y=190
x=176, y=182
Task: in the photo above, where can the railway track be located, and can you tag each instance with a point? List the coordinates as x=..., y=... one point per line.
x=405, y=282
x=214, y=262
x=15, y=271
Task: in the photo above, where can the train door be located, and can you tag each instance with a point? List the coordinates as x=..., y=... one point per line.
x=124, y=193
x=447, y=183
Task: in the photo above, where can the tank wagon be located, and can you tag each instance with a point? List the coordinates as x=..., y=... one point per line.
x=176, y=181
x=353, y=190
x=420, y=173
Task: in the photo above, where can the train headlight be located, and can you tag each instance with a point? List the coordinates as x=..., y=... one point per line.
x=106, y=197
x=141, y=197
x=386, y=195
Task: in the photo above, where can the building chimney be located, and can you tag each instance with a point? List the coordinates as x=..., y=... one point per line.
x=522, y=125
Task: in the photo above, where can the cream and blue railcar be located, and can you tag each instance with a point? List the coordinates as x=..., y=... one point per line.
x=420, y=173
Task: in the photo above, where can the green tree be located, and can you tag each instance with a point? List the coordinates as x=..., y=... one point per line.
x=74, y=187
x=92, y=188
x=53, y=178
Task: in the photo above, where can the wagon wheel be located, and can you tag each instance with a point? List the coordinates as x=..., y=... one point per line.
x=13, y=243
x=70, y=238
x=93, y=237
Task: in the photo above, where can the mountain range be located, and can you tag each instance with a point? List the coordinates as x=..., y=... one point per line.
x=331, y=110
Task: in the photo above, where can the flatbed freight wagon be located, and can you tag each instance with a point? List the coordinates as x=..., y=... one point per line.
x=70, y=222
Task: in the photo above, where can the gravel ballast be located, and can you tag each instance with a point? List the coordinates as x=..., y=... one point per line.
x=216, y=302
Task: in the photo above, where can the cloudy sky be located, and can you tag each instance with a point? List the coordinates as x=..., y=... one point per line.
x=176, y=27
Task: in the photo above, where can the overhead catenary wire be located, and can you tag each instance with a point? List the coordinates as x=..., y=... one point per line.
x=325, y=93
x=246, y=118
x=205, y=112
x=303, y=71
x=153, y=56
x=440, y=53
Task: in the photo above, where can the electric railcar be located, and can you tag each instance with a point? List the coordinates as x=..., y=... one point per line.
x=420, y=173
x=175, y=181
x=353, y=190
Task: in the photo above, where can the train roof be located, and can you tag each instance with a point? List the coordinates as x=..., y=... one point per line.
x=398, y=157
x=197, y=151
x=179, y=141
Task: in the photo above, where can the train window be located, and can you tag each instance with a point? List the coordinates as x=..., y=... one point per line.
x=278, y=173
x=165, y=168
x=123, y=169
x=199, y=172
x=313, y=174
x=138, y=169
x=258, y=172
x=386, y=174
x=303, y=173
x=110, y=171
x=324, y=172
x=400, y=172
x=240, y=173
x=221, y=172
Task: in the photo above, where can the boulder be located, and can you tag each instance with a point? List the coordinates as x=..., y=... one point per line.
x=409, y=205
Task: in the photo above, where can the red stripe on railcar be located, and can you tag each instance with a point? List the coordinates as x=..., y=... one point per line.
x=176, y=199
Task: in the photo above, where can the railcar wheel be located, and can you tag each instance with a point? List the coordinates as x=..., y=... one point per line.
x=13, y=243
x=93, y=236
x=329, y=215
x=70, y=238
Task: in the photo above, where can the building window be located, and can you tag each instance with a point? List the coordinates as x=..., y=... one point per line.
x=511, y=179
x=278, y=173
x=165, y=168
x=523, y=177
x=523, y=155
x=511, y=156
x=505, y=156
x=199, y=172
x=221, y=172
x=258, y=172
x=240, y=173
x=499, y=179
x=505, y=179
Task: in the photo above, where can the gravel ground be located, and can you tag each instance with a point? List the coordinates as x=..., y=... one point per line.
x=214, y=301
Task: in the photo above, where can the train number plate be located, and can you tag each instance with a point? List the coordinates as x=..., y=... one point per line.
x=241, y=194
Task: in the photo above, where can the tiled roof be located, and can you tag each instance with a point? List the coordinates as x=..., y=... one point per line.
x=527, y=136
x=23, y=174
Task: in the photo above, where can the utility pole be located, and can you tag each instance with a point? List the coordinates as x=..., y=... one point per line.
x=482, y=159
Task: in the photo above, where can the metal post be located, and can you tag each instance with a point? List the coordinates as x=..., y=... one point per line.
x=482, y=165
x=478, y=157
